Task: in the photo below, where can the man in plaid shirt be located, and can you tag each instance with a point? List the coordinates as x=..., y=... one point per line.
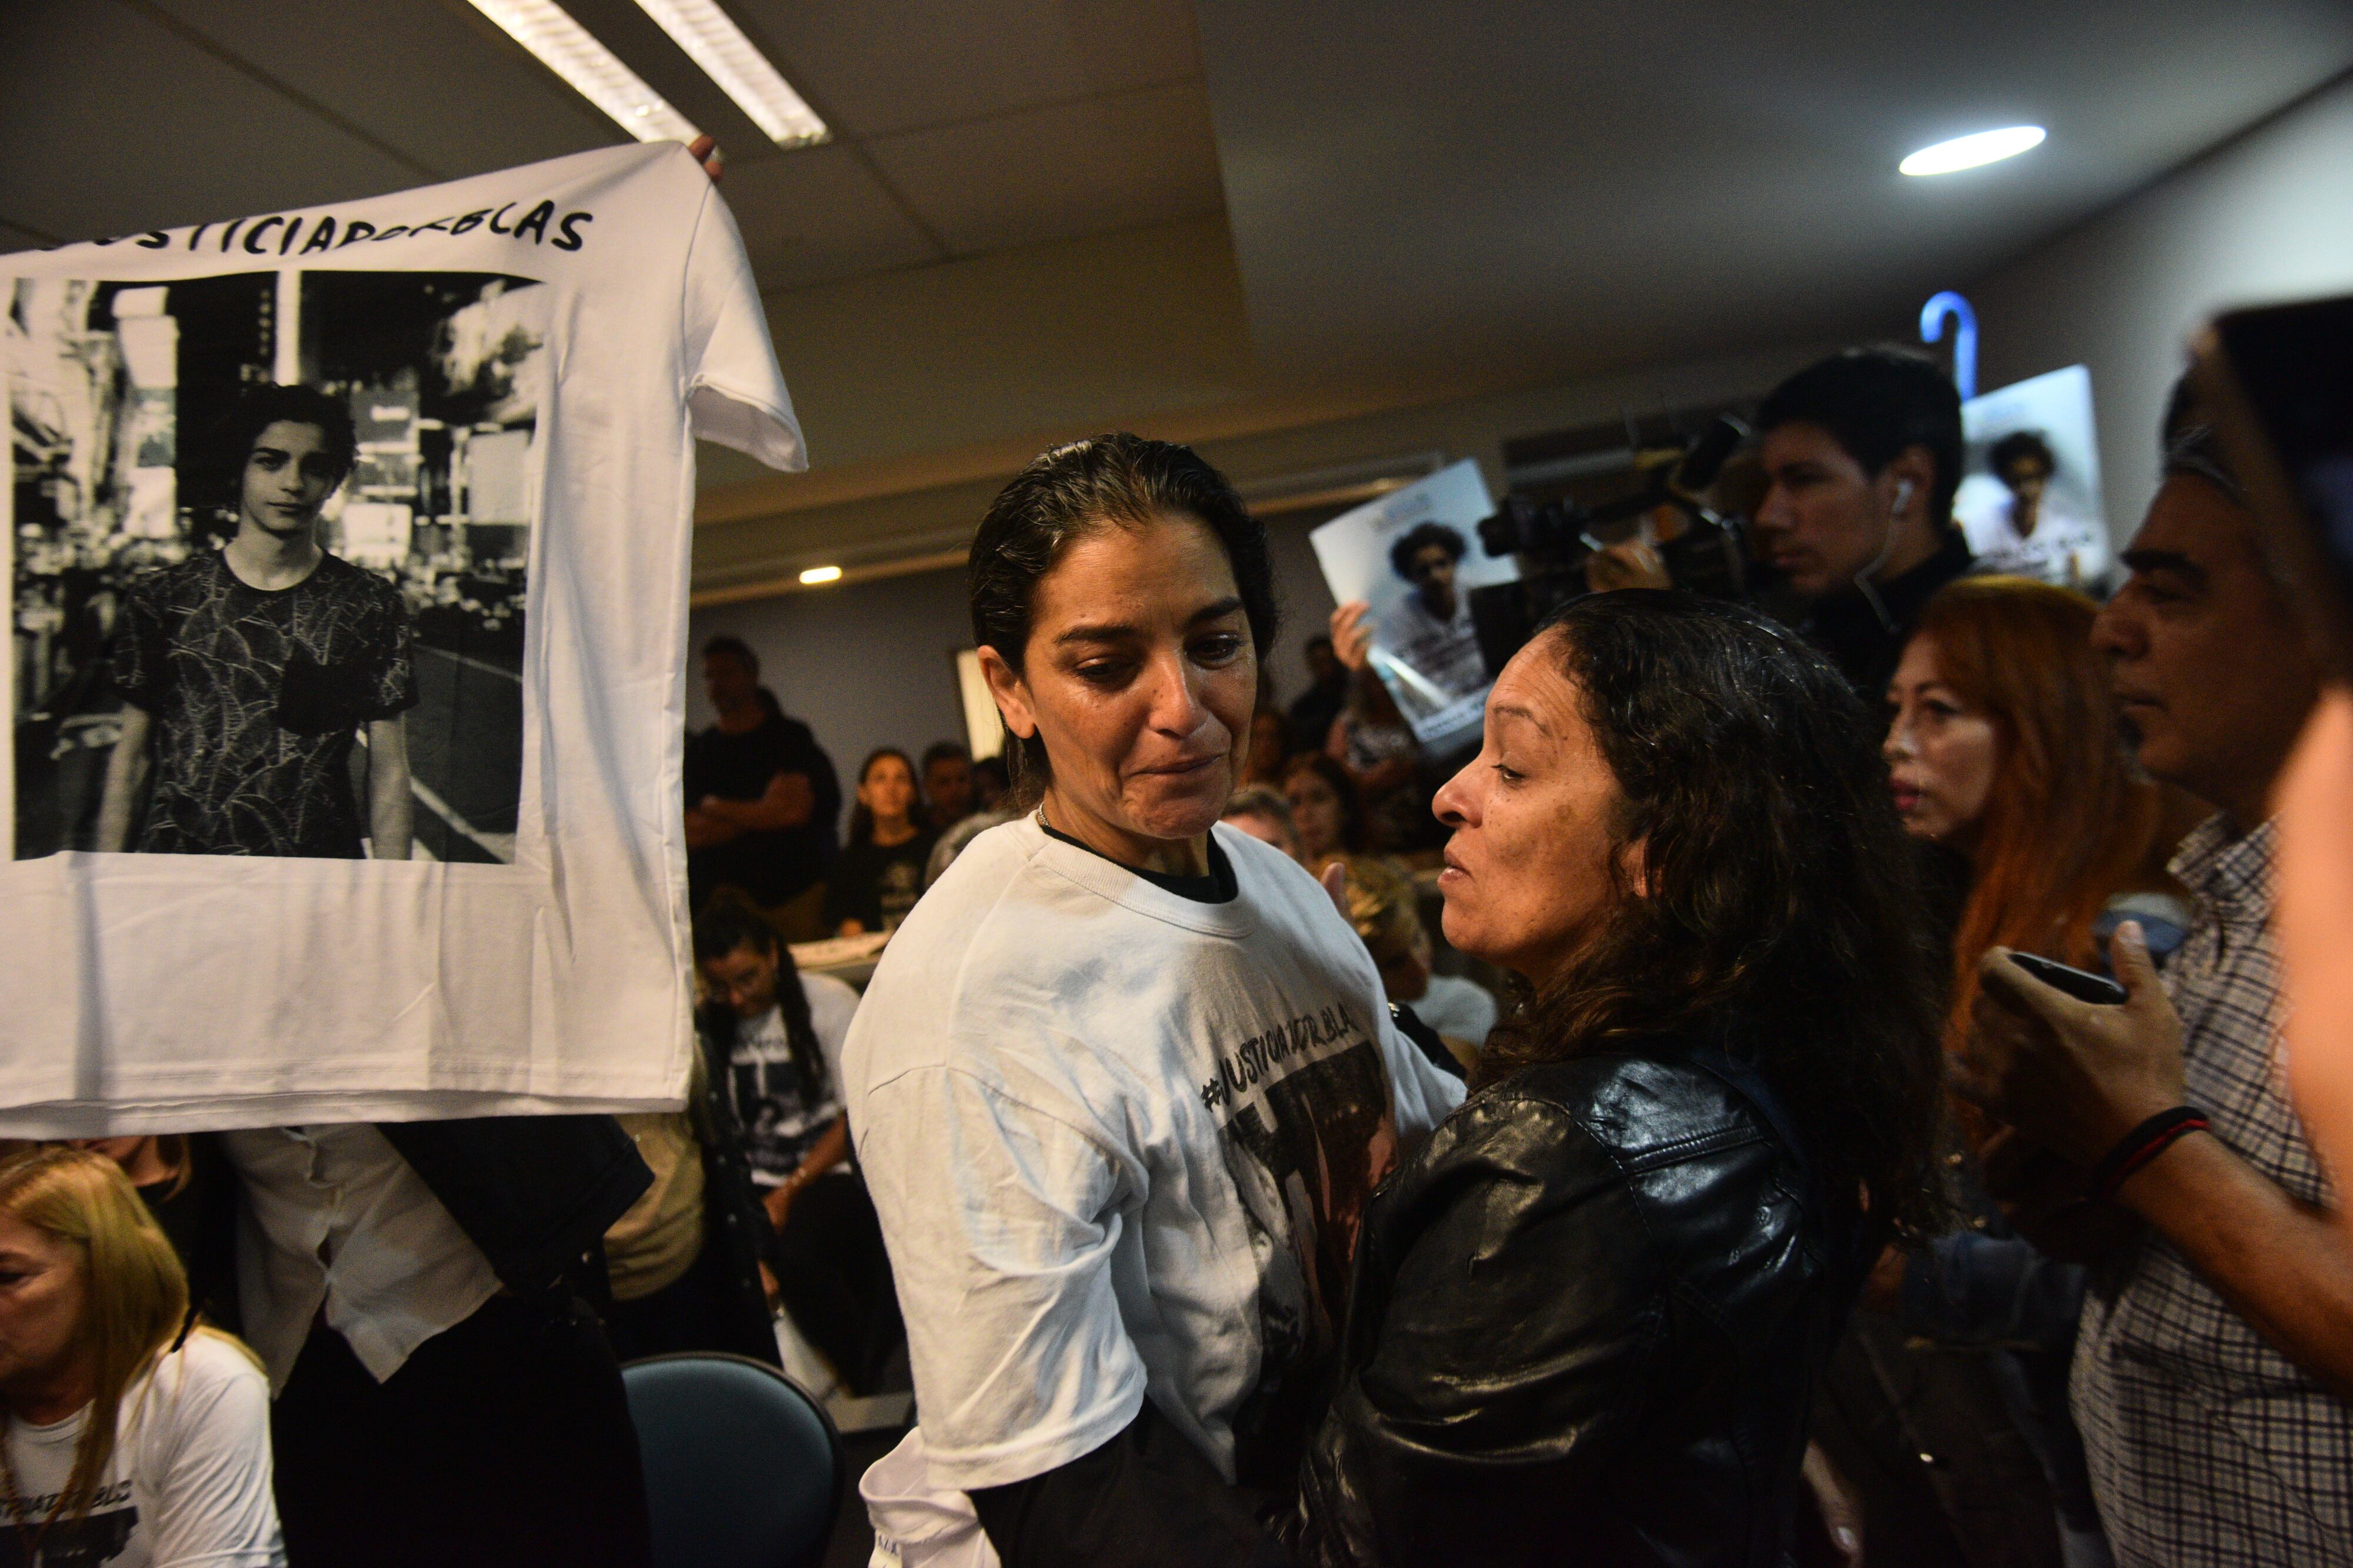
x=2215, y=1364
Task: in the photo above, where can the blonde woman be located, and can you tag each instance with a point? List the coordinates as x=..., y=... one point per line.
x=132, y=1438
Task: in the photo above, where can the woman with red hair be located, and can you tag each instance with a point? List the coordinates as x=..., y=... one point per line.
x=2006, y=746
x=2006, y=749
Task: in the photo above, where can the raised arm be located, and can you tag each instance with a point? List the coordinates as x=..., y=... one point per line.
x=2077, y=1079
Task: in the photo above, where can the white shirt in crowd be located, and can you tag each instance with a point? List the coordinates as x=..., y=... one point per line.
x=335, y=1218
x=187, y=1484
x=2066, y=547
x=1120, y=1141
x=1458, y=1009
x=765, y=1087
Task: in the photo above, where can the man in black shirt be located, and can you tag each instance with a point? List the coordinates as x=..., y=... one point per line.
x=762, y=799
x=248, y=673
x=1861, y=454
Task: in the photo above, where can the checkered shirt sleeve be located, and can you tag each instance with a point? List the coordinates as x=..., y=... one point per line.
x=2206, y=1446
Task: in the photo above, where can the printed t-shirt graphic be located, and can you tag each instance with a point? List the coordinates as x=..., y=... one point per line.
x=188, y=1480
x=596, y=315
x=257, y=695
x=1119, y=1140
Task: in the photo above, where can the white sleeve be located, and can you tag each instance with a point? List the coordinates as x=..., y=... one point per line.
x=1425, y=1094
x=735, y=392
x=1001, y=1222
x=213, y=1500
x=833, y=1005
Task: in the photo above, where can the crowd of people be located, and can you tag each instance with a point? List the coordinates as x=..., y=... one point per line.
x=1761, y=1207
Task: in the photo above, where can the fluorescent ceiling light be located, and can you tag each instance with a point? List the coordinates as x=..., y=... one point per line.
x=1970, y=151
x=713, y=41
x=565, y=48
x=817, y=575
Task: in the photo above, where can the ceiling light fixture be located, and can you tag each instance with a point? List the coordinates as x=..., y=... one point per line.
x=1973, y=151
x=817, y=574
x=713, y=41
x=568, y=49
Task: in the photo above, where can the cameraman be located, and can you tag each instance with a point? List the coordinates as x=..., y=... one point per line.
x=1861, y=454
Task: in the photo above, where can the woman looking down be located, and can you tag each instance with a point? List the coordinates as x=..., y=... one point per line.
x=1588, y=1316
x=1125, y=1080
x=132, y=1438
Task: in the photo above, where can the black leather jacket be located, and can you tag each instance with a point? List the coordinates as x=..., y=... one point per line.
x=1587, y=1324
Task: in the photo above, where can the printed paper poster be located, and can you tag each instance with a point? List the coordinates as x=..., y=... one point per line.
x=1414, y=556
x=2029, y=496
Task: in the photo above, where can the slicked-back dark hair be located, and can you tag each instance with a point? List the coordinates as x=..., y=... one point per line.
x=1070, y=491
x=1876, y=402
x=273, y=404
x=1780, y=901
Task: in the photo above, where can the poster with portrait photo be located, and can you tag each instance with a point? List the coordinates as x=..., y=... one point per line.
x=1413, y=556
x=275, y=528
x=2029, y=496
x=348, y=552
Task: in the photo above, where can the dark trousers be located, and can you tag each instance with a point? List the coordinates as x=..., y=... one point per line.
x=506, y=1440
x=834, y=1275
x=704, y=1308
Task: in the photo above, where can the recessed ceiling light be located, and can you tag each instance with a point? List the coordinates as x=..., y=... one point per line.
x=567, y=49
x=817, y=575
x=1969, y=151
x=713, y=41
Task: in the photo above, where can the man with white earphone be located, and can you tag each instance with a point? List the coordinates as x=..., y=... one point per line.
x=1861, y=454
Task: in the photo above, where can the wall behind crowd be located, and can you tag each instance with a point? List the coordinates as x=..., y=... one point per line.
x=864, y=665
x=2266, y=216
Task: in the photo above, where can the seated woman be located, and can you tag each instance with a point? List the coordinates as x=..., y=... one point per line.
x=2006, y=752
x=1325, y=812
x=879, y=874
x=1123, y=1081
x=1588, y=1316
x=134, y=1435
x=1384, y=905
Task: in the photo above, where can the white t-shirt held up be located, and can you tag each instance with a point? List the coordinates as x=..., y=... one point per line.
x=1120, y=1140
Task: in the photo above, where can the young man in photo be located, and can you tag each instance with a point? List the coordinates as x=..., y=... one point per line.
x=249, y=672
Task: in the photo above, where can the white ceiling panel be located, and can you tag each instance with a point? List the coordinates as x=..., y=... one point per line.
x=437, y=82
x=1049, y=174
x=1583, y=186
x=122, y=125
x=818, y=215
x=884, y=66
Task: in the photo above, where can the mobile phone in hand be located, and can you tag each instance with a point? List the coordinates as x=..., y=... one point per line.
x=2079, y=984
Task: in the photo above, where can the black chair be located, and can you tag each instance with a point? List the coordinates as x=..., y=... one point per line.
x=743, y=1468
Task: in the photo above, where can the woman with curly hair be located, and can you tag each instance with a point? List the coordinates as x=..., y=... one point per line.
x=1588, y=1315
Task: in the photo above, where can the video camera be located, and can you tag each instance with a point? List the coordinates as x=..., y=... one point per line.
x=1556, y=541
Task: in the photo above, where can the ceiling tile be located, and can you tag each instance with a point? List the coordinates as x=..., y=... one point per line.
x=147, y=130
x=1051, y=173
x=436, y=80
x=818, y=214
x=883, y=66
